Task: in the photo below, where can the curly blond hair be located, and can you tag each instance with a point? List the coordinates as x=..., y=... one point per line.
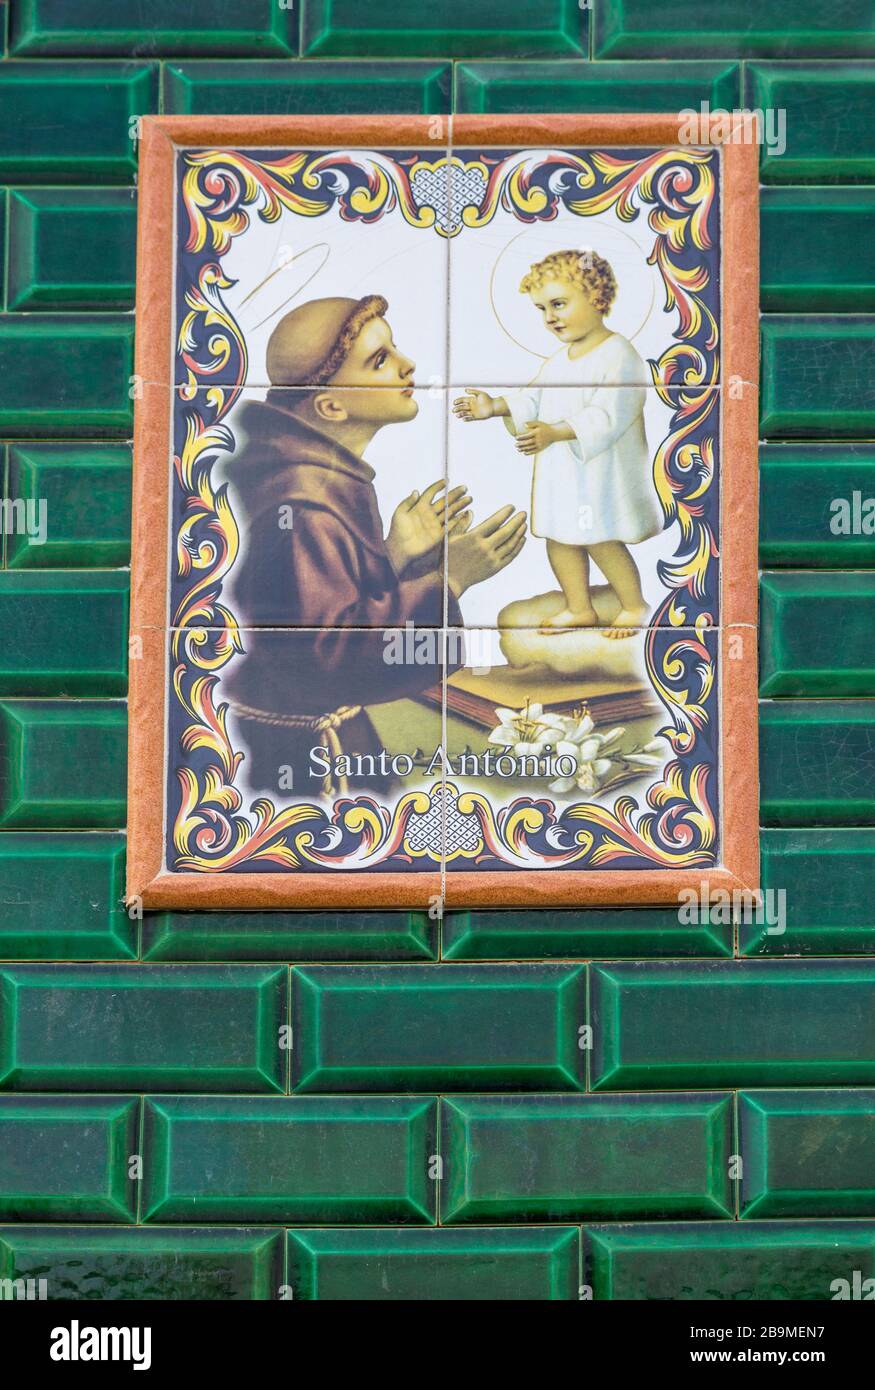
x=584, y=268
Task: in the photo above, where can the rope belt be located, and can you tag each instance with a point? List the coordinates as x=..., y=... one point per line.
x=327, y=724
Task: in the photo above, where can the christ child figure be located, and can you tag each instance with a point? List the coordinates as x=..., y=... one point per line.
x=582, y=420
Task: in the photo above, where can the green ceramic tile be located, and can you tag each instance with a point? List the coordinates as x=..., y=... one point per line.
x=446, y=29
x=289, y=936
x=818, y=377
x=688, y=29
x=100, y=27
x=825, y=877
x=64, y=633
x=816, y=254
x=614, y=931
x=65, y=1158
x=817, y=762
x=72, y=122
x=290, y=1159
x=816, y=633
x=579, y=86
x=84, y=1262
x=817, y=505
x=61, y=898
x=63, y=764
x=142, y=1027
x=438, y=1027
x=530, y=1264
x=305, y=88
x=86, y=490
x=829, y=117
x=66, y=377
x=573, y=1158
x=807, y=1153
x=732, y=1023
x=732, y=1260
x=71, y=248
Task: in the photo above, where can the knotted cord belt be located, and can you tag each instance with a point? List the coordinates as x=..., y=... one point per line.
x=327, y=724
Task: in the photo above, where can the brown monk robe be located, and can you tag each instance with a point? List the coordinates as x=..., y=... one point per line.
x=321, y=568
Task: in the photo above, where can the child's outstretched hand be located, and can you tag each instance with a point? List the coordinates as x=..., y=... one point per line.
x=535, y=436
x=474, y=405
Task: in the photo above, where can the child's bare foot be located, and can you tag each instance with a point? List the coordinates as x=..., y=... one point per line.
x=627, y=622
x=569, y=619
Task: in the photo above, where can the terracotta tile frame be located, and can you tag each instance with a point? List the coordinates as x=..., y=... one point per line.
x=147, y=882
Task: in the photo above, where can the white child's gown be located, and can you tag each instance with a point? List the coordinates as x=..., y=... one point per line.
x=598, y=486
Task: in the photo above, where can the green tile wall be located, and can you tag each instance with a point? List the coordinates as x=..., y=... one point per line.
x=516, y=1105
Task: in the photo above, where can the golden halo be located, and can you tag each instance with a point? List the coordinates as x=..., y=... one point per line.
x=317, y=246
x=558, y=239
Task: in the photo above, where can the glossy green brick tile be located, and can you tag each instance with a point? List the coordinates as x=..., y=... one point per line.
x=86, y=490
x=103, y=27
x=66, y=376
x=816, y=252
x=85, y=1262
x=807, y=1153
x=71, y=122
x=445, y=29
x=826, y=878
x=386, y=87
x=65, y=1158
x=63, y=764
x=817, y=762
x=290, y=1159
x=817, y=505
x=438, y=1027
x=64, y=633
x=816, y=633
x=61, y=898
x=142, y=1027
x=71, y=248
x=732, y=1023
x=818, y=377
x=829, y=120
x=689, y=29
x=573, y=1158
x=531, y=1264
x=747, y=1260
x=614, y=931
x=289, y=936
x=580, y=86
